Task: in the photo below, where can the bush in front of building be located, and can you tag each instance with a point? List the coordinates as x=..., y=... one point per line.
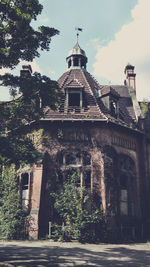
x=78, y=219
x=12, y=217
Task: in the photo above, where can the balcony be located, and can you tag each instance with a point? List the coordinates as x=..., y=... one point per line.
x=73, y=109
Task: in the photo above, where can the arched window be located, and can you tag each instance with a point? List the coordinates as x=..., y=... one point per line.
x=75, y=162
x=126, y=169
x=73, y=158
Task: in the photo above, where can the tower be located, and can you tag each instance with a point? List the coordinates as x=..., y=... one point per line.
x=76, y=58
x=130, y=76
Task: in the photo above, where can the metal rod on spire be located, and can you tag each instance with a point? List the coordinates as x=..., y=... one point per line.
x=78, y=29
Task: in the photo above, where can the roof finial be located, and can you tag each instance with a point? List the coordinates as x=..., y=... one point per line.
x=78, y=29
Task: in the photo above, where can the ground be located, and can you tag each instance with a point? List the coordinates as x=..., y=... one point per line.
x=55, y=254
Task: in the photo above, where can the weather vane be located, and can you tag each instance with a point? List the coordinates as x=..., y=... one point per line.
x=78, y=29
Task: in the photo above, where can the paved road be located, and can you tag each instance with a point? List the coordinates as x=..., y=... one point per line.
x=55, y=254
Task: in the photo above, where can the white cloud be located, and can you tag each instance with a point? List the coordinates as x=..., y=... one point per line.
x=4, y=70
x=131, y=45
x=44, y=20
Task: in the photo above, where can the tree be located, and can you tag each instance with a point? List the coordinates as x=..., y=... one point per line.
x=12, y=217
x=19, y=41
x=31, y=94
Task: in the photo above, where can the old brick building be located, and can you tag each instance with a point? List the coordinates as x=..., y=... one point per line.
x=99, y=131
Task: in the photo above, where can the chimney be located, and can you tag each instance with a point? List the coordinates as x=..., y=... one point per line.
x=26, y=71
x=130, y=76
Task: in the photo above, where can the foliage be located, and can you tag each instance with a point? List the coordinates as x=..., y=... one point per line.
x=12, y=217
x=18, y=150
x=144, y=107
x=79, y=218
x=18, y=39
x=31, y=93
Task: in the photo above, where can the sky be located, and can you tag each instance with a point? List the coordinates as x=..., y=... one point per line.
x=115, y=33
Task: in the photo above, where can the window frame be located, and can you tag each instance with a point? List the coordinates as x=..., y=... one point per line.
x=74, y=91
x=79, y=165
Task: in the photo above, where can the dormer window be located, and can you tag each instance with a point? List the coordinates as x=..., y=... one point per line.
x=110, y=99
x=113, y=107
x=74, y=100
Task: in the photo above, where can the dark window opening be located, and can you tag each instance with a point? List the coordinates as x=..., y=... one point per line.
x=60, y=158
x=123, y=182
x=82, y=63
x=127, y=165
x=72, y=158
x=86, y=159
x=25, y=181
x=60, y=177
x=74, y=99
x=87, y=178
x=69, y=63
x=76, y=62
x=113, y=108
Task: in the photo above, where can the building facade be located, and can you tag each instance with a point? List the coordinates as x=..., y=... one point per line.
x=100, y=132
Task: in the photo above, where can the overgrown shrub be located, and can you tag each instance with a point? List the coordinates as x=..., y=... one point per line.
x=78, y=217
x=12, y=217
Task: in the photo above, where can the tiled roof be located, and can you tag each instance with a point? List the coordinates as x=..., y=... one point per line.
x=75, y=83
x=94, y=109
x=125, y=102
x=109, y=90
x=77, y=78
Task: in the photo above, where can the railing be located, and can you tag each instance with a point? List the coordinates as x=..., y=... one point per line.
x=73, y=109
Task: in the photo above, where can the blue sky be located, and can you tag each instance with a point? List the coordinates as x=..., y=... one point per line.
x=114, y=34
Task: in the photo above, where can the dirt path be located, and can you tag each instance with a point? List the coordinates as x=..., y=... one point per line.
x=46, y=253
